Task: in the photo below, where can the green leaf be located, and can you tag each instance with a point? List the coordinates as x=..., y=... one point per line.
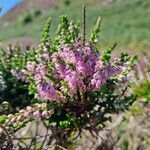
x=95, y=31
x=45, y=34
x=107, y=53
x=2, y=119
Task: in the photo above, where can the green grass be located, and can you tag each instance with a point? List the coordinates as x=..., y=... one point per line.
x=126, y=23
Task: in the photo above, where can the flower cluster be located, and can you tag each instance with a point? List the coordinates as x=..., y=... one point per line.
x=36, y=112
x=73, y=69
x=77, y=68
x=81, y=68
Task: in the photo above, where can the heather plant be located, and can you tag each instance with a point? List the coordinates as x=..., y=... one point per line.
x=12, y=91
x=76, y=86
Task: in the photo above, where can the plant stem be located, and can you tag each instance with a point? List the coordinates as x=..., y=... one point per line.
x=84, y=24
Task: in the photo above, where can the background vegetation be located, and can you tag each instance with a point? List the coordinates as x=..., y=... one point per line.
x=123, y=21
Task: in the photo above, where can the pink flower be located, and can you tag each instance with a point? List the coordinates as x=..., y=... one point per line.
x=86, y=51
x=30, y=66
x=44, y=114
x=26, y=114
x=38, y=78
x=41, y=69
x=74, y=68
x=37, y=115
x=93, y=82
x=47, y=91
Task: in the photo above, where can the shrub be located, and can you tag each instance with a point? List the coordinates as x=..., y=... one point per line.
x=76, y=86
x=67, y=2
x=13, y=91
x=37, y=13
x=26, y=18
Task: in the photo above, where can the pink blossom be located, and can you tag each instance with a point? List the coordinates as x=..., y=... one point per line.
x=30, y=66
x=47, y=91
x=37, y=115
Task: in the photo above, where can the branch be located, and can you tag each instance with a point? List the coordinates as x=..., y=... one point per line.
x=8, y=135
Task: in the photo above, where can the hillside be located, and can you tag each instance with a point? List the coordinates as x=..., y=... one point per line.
x=25, y=6
x=125, y=22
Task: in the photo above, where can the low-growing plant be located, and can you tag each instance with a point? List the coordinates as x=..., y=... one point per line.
x=13, y=92
x=26, y=18
x=76, y=86
x=37, y=13
x=67, y=2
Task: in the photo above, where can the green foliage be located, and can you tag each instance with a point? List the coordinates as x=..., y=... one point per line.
x=45, y=38
x=94, y=34
x=32, y=89
x=2, y=119
x=16, y=92
x=26, y=18
x=143, y=90
x=67, y=2
x=70, y=121
x=67, y=32
x=107, y=53
x=37, y=13
x=136, y=109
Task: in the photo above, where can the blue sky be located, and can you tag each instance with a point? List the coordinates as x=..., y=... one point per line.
x=7, y=5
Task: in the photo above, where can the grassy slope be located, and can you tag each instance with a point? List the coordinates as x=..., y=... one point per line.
x=126, y=23
x=26, y=5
